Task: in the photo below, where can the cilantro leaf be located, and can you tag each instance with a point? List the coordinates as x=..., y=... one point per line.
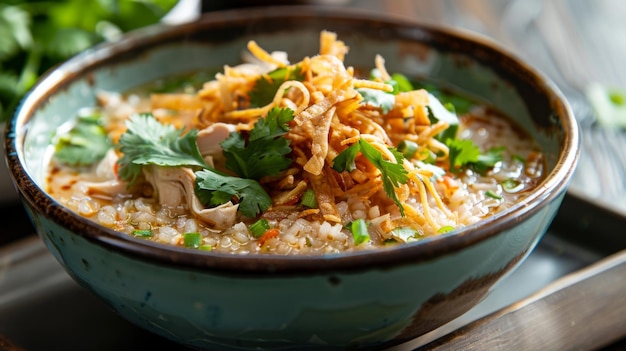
x=489, y=159
x=148, y=142
x=266, y=87
x=345, y=160
x=462, y=103
x=214, y=189
x=461, y=153
x=393, y=174
x=437, y=111
x=264, y=153
x=377, y=98
x=86, y=143
x=398, y=81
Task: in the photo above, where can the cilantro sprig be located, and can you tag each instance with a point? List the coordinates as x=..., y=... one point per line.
x=377, y=98
x=85, y=143
x=393, y=173
x=463, y=153
x=149, y=142
x=381, y=99
x=214, y=188
x=264, y=152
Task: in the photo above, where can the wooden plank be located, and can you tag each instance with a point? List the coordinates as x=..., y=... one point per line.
x=584, y=310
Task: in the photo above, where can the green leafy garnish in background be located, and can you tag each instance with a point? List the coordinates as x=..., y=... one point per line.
x=36, y=35
x=86, y=143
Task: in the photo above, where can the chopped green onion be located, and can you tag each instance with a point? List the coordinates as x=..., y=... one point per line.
x=142, y=233
x=259, y=227
x=193, y=239
x=511, y=185
x=406, y=234
x=493, y=195
x=308, y=199
x=427, y=156
x=445, y=229
x=205, y=247
x=359, y=231
x=408, y=148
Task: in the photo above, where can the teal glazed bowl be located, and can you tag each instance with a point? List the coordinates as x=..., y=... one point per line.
x=362, y=300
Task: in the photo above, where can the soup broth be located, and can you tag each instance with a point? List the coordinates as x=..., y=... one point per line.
x=285, y=158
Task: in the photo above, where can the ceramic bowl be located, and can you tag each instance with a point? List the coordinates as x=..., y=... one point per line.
x=345, y=301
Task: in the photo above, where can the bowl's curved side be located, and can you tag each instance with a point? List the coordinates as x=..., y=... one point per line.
x=373, y=308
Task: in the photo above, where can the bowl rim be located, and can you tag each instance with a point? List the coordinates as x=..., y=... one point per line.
x=550, y=189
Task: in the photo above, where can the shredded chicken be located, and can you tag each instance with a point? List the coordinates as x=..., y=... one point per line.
x=174, y=186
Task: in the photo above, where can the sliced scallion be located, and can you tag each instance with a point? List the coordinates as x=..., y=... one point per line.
x=192, y=239
x=259, y=227
x=427, y=156
x=308, y=199
x=359, y=231
x=511, y=185
x=408, y=148
x=445, y=229
x=493, y=195
x=144, y=233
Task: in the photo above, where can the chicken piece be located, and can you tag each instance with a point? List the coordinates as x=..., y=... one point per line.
x=209, y=140
x=175, y=186
x=108, y=184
